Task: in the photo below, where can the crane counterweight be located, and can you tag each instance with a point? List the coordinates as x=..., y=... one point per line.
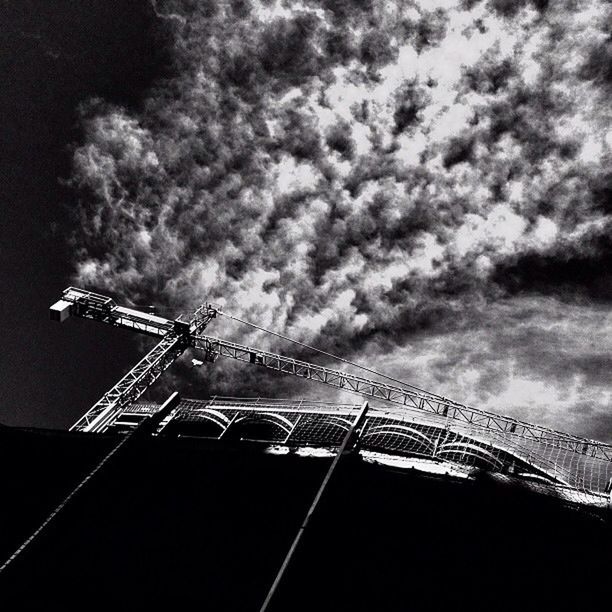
x=60, y=311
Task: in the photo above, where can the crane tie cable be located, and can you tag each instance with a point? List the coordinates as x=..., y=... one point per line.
x=322, y=352
x=347, y=361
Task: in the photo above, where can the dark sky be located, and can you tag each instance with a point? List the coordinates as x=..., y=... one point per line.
x=54, y=56
x=421, y=186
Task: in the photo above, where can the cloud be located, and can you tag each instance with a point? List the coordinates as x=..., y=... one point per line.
x=367, y=174
x=532, y=357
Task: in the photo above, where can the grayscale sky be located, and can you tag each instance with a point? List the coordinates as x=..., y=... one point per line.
x=423, y=187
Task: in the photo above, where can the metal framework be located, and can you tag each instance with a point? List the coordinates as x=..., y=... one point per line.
x=177, y=335
x=132, y=385
x=407, y=438
x=214, y=347
x=302, y=424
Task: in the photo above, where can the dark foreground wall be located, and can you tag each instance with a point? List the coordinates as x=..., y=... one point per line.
x=191, y=523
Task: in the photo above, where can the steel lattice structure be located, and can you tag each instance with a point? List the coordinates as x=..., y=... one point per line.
x=398, y=395
x=423, y=425
x=404, y=438
x=175, y=338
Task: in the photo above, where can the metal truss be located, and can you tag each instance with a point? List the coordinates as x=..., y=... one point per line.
x=175, y=339
x=312, y=425
x=404, y=438
x=406, y=397
x=178, y=335
x=132, y=385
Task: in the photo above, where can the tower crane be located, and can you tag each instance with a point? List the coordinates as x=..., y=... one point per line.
x=175, y=336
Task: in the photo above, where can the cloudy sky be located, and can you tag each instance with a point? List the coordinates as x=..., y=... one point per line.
x=423, y=187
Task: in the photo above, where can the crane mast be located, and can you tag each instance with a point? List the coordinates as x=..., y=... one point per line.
x=177, y=335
